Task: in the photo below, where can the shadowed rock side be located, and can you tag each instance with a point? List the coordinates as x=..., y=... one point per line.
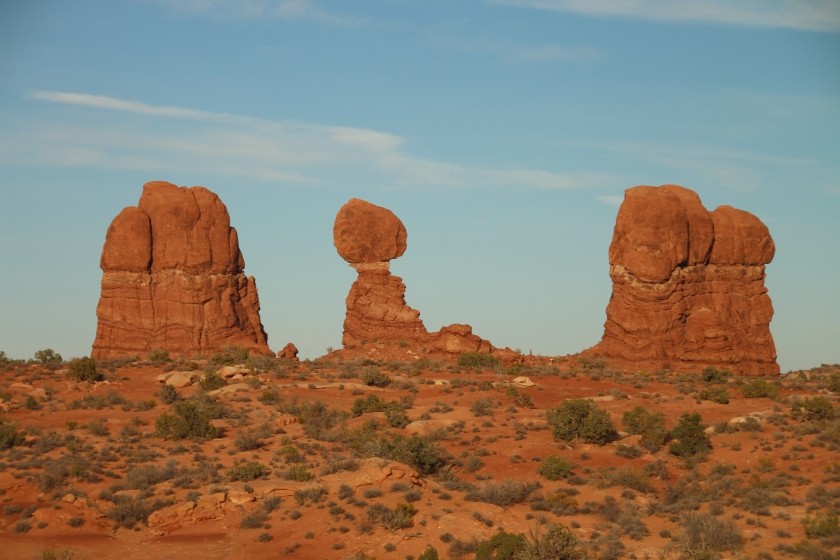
x=688, y=286
x=378, y=320
x=173, y=279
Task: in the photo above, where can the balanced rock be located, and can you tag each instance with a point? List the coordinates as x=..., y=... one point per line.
x=173, y=279
x=688, y=286
x=369, y=237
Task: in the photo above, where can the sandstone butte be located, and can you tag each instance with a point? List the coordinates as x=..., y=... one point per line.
x=379, y=322
x=173, y=279
x=687, y=286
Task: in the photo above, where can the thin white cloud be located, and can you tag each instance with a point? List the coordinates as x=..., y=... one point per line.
x=613, y=199
x=808, y=15
x=516, y=52
x=237, y=145
x=261, y=9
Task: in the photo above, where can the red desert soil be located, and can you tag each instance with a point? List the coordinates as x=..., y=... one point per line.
x=292, y=472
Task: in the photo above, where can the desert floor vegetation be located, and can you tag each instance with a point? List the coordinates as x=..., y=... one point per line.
x=423, y=460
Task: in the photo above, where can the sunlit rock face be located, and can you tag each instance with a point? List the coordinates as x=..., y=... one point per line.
x=368, y=237
x=688, y=286
x=173, y=279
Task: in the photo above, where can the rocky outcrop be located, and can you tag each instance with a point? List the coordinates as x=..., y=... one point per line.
x=368, y=237
x=173, y=279
x=688, y=286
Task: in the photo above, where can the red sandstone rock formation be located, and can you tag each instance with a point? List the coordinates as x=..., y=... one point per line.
x=368, y=237
x=688, y=286
x=289, y=352
x=173, y=279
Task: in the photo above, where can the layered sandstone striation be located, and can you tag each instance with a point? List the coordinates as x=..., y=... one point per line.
x=369, y=237
x=173, y=279
x=688, y=286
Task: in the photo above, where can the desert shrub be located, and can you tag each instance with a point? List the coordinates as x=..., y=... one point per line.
x=553, y=467
x=391, y=519
x=823, y=525
x=244, y=472
x=396, y=416
x=556, y=543
x=128, y=512
x=370, y=403
x=715, y=394
x=159, y=356
x=703, y=535
x=691, y=437
x=650, y=425
x=629, y=451
x=501, y=546
x=144, y=476
x=211, y=381
x=312, y=494
x=188, y=419
x=247, y=440
x=759, y=388
x=581, y=419
x=10, y=436
x=483, y=407
x=84, y=369
x=713, y=375
x=430, y=553
x=254, y=520
x=168, y=394
x=49, y=358
x=502, y=493
x=297, y=473
x=628, y=477
x=317, y=419
x=372, y=377
x=478, y=360
x=230, y=355
x=813, y=409
x=419, y=452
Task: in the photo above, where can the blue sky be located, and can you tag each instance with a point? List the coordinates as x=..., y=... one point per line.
x=502, y=132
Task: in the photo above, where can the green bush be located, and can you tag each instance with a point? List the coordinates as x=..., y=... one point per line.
x=691, y=437
x=396, y=416
x=211, y=382
x=370, y=403
x=84, y=369
x=715, y=394
x=49, y=357
x=502, y=493
x=703, y=535
x=230, y=355
x=419, y=452
x=553, y=467
x=244, y=472
x=478, y=360
x=759, y=388
x=823, y=525
x=581, y=419
x=168, y=394
x=298, y=473
x=557, y=543
x=372, y=377
x=813, y=409
x=501, y=546
x=713, y=375
x=650, y=425
x=10, y=436
x=429, y=554
x=392, y=519
x=189, y=419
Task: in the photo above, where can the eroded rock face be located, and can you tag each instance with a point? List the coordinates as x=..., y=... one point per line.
x=173, y=279
x=688, y=286
x=368, y=237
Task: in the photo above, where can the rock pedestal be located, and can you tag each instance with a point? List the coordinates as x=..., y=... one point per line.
x=173, y=279
x=688, y=286
x=368, y=237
